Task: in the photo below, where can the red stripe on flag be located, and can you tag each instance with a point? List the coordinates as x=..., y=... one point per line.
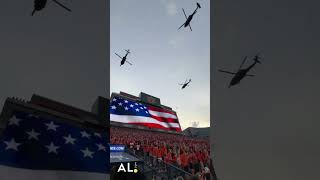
x=157, y=126
x=161, y=110
x=162, y=119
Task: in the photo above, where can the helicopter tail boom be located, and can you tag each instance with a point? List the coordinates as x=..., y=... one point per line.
x=257, y=61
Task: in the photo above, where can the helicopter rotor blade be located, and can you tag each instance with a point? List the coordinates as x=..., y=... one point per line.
x=250, y=75
x=63, y=6
x=118, y=55
x=181, y=26
x=228, y=72
x=243, y=61
x=190, y=26
x=128, y=62
x=33, y=12
x=184, y=13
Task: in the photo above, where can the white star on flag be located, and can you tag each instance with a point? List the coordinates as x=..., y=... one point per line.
x=113, y=107
x=85, y=134
x=52, y=126
x=126, y=108
x=52, y=148
x=114, y=99
x=87, y=153
x=101, y=147
x=69, y=139
x=120, y=104
x=131, y=105
x=137, y=110
x=97, y=134
x=125, y=101
x=33, y=134
x=33, y=115
x=14, y=121
x=12, y=144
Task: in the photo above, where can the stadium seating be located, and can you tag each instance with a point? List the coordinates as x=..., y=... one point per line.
x=188, y=153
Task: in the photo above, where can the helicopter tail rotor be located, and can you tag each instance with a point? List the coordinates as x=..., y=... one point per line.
x=257, y=61
x=198, y=5
x=256, y=58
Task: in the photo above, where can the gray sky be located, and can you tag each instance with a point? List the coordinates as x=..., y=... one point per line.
x=56, y=54
x=268, y=126
x=162, y=56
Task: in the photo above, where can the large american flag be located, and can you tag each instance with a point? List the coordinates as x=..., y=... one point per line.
x=34, y=147
x=127, y=111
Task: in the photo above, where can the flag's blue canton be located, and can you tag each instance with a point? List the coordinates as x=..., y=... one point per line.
x=33, y=142
x=122, y=106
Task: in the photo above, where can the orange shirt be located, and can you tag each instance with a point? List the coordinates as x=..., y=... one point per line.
x=184, y=160
x=168, y=158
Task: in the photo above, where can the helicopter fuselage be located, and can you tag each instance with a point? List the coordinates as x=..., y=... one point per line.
x=185, y=85
x=39, y=4
x=124, y=58
x=186, y=24
x=240, y=75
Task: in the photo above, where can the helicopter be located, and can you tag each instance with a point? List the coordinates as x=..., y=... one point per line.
x=241, y=73
x=124, y=58
x=185, y=84
x=188, y=19
x=40, y=4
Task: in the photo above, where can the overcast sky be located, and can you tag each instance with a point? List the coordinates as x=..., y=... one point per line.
x=268, y=126
x=162, y=56
x=56, y=54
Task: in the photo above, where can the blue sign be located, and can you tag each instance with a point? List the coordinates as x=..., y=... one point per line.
x=117, y=148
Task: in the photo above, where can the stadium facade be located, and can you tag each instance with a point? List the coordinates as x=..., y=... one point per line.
x=202, y=132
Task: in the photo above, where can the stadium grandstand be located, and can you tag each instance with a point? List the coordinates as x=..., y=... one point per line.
x=200, y=132
x=151, y=132
x=78, y=140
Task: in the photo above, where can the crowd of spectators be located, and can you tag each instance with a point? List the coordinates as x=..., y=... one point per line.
x=188, y=153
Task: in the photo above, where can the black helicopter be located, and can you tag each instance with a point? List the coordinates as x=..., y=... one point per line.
x=187, y=23
x=124, y=58
x=241, y=73
x=40, y=4
x=185, y=84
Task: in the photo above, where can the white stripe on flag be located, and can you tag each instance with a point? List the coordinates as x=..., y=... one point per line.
x=11, y=173
x=162, y=114
x=140, y=119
